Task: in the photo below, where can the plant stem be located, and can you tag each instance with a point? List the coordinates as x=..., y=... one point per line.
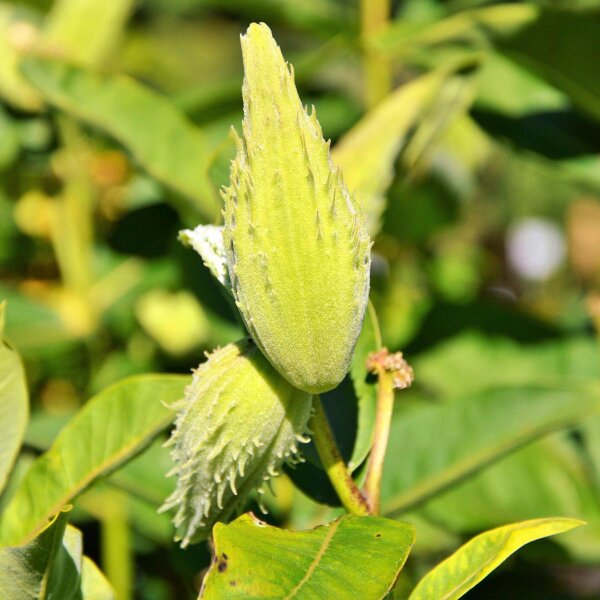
x=349, y=494
x=374, y=14
x=383, y=420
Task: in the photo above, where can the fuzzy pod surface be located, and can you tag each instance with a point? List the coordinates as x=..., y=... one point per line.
x=297, y=248
x=237, y=424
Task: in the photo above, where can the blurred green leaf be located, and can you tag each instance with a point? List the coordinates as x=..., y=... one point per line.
x=254, y=560
x=14, y=404
x=488, y=362
x=87, y=30
x=473, y=27
x=474, y=561
x=546, y=478
x=113, y=427
x=16, y=26
x=366, y=154
x=569, y=63
x=506, y=87
x=470, y=434
x=160, y=137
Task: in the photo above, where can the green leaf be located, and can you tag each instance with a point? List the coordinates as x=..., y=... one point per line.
x=475, y=27
x=471, y=433
x=548, y=477
x=25, y=571
x=353, y=557
x=367, y=153
x=475, y=560
x=160, y=137
x=86, y=30
x=113, y=427
x=485, y=362
x=52, y=566
x=570, y=63
x=369, y=341
x=14, y=404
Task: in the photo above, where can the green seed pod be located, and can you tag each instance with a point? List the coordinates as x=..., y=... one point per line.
x=297, y=247
x=238, y=423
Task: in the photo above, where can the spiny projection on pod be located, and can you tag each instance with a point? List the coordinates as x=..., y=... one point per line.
x=297, y=248
x=237, y=424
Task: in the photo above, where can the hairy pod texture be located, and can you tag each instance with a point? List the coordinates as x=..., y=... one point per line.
x=238, y=423
x=297, y=248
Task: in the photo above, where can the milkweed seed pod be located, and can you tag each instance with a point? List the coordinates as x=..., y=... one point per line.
x=238, y=423
x=297, y=248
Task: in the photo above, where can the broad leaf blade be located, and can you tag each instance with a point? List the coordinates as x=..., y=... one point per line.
x=52, y=566
x=475, y=560
x=471, y=433
x=113, y=427
x=254, y=560
x=14, y=405
x=160, y=137
x=546, y=478
x=25, y=570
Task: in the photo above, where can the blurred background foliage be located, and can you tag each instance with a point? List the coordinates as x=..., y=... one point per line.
x=469, y=129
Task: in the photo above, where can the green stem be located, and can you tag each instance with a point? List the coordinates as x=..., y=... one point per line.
x=383, y=420
x=349, y=494
x=116, y=551
x=374, y=14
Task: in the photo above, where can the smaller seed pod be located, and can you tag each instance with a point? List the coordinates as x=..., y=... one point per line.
x=237, y=424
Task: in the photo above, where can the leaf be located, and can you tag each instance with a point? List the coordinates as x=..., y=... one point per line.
x=367, y=153
x=369, y=341
x=52, y=566
x=548, y=477
x=94, y=585
x=353, y=557
x=112, y=428
x=25, y=571
x=475, y=560
x=13, y=87
x=86, y=29
x=485, y=362
x=14, y=404
x=471, y=433
x=569, y=63
x=160, y=137
x=475, y=26
x=503, y=86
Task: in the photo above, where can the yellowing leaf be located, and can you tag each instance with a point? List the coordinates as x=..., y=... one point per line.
x=474, y=561
x=14, y=404
x=297, y=248
x=353, y=557
x=366, y=154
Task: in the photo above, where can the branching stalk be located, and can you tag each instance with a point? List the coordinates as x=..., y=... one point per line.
x=348, y=492
x=374, y=14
